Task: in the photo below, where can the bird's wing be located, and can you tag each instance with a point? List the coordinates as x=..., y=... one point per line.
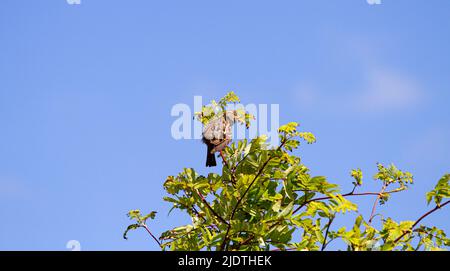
x=219, y=129
x=222, y=145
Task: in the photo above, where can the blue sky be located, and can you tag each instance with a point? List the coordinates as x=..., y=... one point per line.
x=86, y=93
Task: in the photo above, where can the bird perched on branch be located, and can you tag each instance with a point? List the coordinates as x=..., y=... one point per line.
x=217, y=134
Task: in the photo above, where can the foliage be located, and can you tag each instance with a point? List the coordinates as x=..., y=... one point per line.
x=441, y=191
x=266, y=199
x=216, y=108
x=139, y=219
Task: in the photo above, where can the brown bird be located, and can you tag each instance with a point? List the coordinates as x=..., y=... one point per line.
x=217, y=134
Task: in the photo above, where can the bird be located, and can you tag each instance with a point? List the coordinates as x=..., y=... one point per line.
x=217, y=134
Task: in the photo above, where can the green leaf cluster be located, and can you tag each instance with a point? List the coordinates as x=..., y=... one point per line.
x=139, y=219
x=441, y=191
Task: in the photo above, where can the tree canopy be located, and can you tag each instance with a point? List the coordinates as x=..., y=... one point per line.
x=266, y=199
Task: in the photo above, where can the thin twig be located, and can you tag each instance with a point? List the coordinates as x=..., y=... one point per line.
x=193, y=209
x=285, y=249
x=223, y=159
x=225, y=240
x=324, y=243
x=233, y=179
x=210, y=208
x=344, y=195
x=354, y=188
x=246, y=241
x=421, y=218
x=375, y=204
x=240, y=161
x=204, y=219
x=197, y=213
x=151, y=234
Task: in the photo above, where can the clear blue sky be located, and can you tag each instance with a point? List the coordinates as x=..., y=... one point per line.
x=86, y=92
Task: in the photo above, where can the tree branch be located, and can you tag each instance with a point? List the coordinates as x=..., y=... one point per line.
x=240, y=161
x=210, y=208
x=225, y=240
x=375, y=204
x=345, y=195
x=151, y=234
x=233, y=178
x=286, y=249
x=421, y=218
x=324, y=243
x=192, y=208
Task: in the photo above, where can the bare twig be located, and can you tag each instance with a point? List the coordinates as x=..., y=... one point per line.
x=375, y=204
x=223, y=159
x=151, y=234
x=354, y=188
x=324, y=243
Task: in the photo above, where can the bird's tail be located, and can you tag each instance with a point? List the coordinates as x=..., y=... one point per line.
x=210, y=157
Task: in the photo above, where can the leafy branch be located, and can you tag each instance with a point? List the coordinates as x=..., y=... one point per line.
x=141, y=223
x=267, y=199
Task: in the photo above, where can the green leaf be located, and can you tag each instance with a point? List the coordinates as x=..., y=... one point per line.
x=134, y=215
x=129, y=228
x=358, y=221
x=276, y=206
x=289, y=128
x=358, y=176
x=150, y=215
x=230, y=97
x=287, y=210
x=308, y=137
x=440, y=191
